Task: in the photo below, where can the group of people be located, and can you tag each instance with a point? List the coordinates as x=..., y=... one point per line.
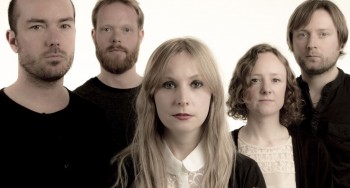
x=168, y=127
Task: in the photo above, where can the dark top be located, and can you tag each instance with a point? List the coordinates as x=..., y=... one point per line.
x=119, y=105
x=311, y=160
x=65, y=149
x=330, y=121
x=246, y=174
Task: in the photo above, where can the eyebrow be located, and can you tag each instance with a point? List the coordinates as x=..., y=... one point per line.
x=36, y=20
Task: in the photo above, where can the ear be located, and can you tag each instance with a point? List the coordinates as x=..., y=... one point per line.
x=141, y=34
x=93, y=35
x=11, y=39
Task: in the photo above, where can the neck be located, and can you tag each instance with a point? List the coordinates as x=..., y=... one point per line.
x=181, y=145
x=39, y=96
x=129, y=79
x=264, y=132
x=317, y=82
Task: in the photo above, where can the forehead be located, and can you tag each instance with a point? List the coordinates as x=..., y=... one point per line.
x=321, y=19
x=268, y=63
x=182, y=63
x=44, y=9
x=117, y=11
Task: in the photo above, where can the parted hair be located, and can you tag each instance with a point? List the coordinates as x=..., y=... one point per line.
x=290, y=113
x=302, y=16
x=146, y=149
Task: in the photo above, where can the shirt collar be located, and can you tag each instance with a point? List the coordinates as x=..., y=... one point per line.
x=193, y=162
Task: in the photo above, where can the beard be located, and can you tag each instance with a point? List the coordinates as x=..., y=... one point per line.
x=117, y=65
x=41, y=69
x=325, y=64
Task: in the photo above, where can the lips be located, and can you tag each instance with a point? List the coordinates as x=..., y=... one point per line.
x=54, y=56
x=182, y=116
x=116, y=48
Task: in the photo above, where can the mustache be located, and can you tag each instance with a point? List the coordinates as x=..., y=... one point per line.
x=55, y=50
x=111, y=47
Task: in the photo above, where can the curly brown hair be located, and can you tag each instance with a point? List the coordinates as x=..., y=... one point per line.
x=290, y=113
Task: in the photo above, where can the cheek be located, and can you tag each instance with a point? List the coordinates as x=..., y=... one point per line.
x=161, y=101
x=204, y=102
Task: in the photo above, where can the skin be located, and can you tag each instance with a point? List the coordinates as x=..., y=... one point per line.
x=117, y=39
x=268, y=86
x=182, y=104
x=45, y=43
x=265, y=98
x=45, y=38
x=316, y=49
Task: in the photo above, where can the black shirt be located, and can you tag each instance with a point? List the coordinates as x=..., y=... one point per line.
x=67, y=148
x=330, y=121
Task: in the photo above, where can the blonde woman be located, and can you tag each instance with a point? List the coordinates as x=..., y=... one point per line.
x=182, y=139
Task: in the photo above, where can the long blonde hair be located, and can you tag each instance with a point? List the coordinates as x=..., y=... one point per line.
x=146, y=150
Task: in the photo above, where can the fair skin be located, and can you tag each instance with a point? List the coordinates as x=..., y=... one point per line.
x=316, y=49
x=118, y=36
x=265, y=98
x=182, y=103
x=45, y=42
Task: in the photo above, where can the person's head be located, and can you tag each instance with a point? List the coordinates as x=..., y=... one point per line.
x=256, y=89
x=117, y=34
x=176, y=70
x=42, y=32
x=317, y=32
x=182, y=93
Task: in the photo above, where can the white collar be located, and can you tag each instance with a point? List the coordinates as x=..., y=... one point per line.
x=193, y=162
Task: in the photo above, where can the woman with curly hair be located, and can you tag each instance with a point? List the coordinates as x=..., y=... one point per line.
x=263, y=92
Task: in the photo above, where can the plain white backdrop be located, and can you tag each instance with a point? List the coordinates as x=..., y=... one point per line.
x=228, y=27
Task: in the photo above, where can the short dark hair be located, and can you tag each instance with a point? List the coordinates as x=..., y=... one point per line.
x=13, y=14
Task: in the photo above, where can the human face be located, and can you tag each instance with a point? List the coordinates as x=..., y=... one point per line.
x=265, y=96
x=316, y=47
x=117, y=37
x=183, y=99
x=45, y=38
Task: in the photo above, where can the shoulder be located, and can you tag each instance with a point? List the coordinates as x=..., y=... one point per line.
x=83, y=105
x=248, y=173
x=89, y=85
x=303, y=137
x=243, y=161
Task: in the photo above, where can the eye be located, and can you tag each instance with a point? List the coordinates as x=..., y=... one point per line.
x=36, y=27
x=254, y=80
x=302, y=35
x=276, y=80
x=106, y=29
x=168, y=85
x=66, y=26
x=197, y=84
x=126, y=29
x=323, y=34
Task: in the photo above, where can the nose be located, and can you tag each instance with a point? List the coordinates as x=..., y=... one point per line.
x=54, y=37
x=115, y=38
x=182, y=97
x=266, y=89
x=312, y=41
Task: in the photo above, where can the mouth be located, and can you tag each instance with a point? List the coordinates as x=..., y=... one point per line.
x=182, y=116
x=54, y=56
x=116, y=49
x=266, y=100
